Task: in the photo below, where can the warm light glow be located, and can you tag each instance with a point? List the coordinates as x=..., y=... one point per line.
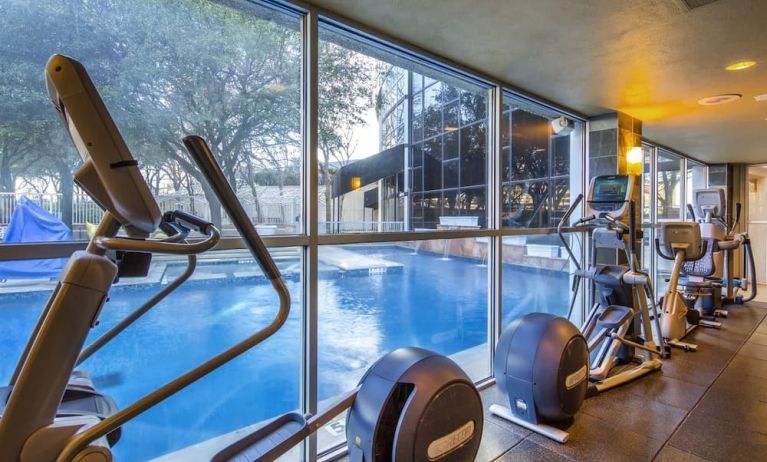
x=740, y=65
x=356, y=182
x=719, y=99
x=450, y=128
x=634, y=155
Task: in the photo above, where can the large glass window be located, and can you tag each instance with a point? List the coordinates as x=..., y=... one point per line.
x=648, y=155
x=402, y=146
x=538, y=150
x=374, y=298
x=229, y=72
x=669, y=186
x=226, y=300
x=697, y=178
x=537, y=276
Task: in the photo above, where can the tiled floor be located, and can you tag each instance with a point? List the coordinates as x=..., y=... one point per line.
x=704, y=405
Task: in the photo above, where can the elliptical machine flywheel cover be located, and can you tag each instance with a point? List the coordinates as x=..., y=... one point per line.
x=415, y=405
x=542, y=364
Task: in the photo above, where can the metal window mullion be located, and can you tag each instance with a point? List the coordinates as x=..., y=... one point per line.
x=310, y=273
x=653, y=211
x=683, y=192
x=495, y=205
x=584, y=171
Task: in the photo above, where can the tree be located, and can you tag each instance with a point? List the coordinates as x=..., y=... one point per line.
x=229, y=73
x=346, y=88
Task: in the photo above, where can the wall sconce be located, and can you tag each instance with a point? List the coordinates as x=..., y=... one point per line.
x=634, y=156
x=356, y=182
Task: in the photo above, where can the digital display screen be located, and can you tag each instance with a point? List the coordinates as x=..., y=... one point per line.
x=610, y=189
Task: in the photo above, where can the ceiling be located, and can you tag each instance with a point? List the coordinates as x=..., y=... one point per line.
x=652, y=59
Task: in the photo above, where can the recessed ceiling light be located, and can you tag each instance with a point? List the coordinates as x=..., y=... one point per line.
x=719, y=99
x=740, y=65
x=760, y=98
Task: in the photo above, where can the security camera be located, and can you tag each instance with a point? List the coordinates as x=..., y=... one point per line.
x=562, y=126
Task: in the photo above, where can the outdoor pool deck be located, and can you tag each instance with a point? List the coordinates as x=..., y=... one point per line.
x=334, y=257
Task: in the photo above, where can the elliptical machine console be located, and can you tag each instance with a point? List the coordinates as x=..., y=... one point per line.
x=609, y=196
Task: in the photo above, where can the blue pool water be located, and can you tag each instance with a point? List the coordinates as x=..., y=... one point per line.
x=429, y=302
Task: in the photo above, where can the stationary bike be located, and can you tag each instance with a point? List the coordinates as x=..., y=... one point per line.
x=680, y=242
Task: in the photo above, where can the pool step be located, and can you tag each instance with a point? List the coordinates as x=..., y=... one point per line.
x=348, y=260
x=274, y=438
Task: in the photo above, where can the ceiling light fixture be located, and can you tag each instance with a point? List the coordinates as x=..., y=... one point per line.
x=760, y=98
x=740, y=65
x=635, y=155
x=719, y=99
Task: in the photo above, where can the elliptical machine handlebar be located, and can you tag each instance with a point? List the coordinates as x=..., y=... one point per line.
x=736, y=222
x=566, y=218
x=204, y=158
x=562, y=223
x=691, y=211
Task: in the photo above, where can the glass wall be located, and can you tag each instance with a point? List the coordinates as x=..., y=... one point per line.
x=227, y=299
x=696, y=179
x=406, y=232
x=537, y=149
x=402, y=146
x=375, y=298
x=230, y=72
x=538, y=276
x=668, y=170
x=664, y=198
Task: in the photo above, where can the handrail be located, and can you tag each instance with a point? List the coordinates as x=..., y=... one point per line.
x=160, y=245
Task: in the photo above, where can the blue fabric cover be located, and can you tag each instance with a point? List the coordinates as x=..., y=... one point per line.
x=32, y=223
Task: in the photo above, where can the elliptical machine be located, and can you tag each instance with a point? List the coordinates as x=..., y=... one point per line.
x=545, y=365
x=709, y=208
x=622, y=325
x=411, y=405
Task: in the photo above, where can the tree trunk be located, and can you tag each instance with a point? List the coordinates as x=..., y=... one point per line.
x=215, y=208
x=254, y=190
x=7, y=180
x=67, y=190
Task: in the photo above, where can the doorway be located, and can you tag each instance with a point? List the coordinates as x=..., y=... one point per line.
x=757, y=217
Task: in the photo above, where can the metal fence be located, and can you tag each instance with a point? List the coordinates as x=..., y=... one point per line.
x=85, y=210
x=335, y=227
x=280, y=215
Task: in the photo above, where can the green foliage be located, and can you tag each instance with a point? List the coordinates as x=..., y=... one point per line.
x=230, y=73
